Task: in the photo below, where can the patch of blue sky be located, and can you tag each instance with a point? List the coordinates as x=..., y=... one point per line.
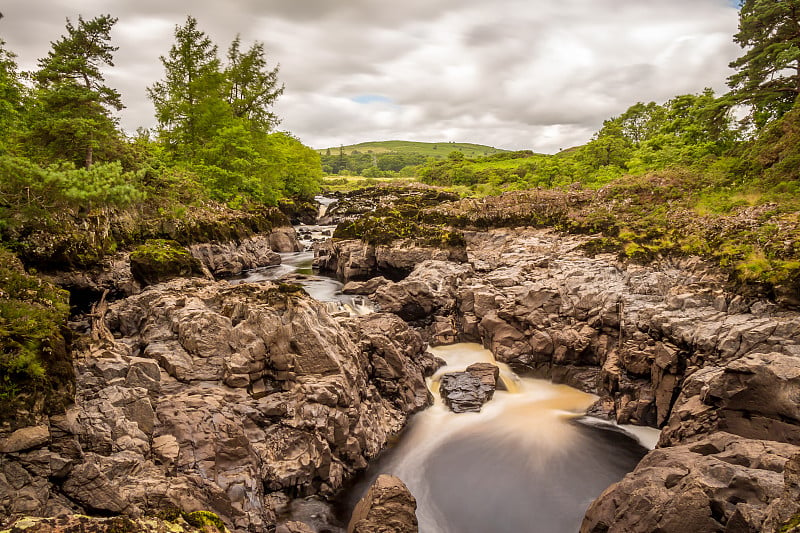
x=371, y=99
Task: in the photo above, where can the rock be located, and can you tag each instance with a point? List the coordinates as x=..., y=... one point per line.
x=387, y=507
x=214, y=396
x=232, y=258
x=468, y=391
x=753, y=396
x=489, y=375
x=294, y=527
x=25, y=439
x=89, y=524
x=364, y=288
x=721, y=483
x=430, y=288
x=161, y=260
x=355, y=260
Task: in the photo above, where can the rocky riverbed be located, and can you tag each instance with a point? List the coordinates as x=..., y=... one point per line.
x=244, y=399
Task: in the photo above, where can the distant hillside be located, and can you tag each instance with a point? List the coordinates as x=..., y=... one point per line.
x=413, y=147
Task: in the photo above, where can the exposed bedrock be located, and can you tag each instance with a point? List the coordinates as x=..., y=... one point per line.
x=220, y=398
x=663, y=344
x=631, y=333
x=356, y=260
x=721, y=483
x=387, y=507
x=220, y=259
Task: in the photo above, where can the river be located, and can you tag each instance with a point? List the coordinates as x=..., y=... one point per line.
x=528, y=462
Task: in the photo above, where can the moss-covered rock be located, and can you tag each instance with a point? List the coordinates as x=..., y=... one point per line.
x=196, y=522
x=159, y=260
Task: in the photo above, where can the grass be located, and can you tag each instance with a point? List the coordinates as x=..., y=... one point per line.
x=415, y=147
x=354, y=183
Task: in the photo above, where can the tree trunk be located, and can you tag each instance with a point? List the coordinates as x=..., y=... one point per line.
x=88, y=161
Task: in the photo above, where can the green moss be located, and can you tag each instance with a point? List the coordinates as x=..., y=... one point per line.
x=159, y=260
x=202, y=519
x=792, y=525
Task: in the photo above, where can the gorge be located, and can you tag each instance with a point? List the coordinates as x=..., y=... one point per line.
x=252, y=400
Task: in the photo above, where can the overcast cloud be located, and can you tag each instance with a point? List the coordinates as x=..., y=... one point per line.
x=533, y=74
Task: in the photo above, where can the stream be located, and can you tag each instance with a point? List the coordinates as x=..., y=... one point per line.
x=528, y=462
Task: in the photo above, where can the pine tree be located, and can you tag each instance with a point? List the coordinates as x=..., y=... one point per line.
x=768, y=77
x=71, y=116
x=253, y=88
x=11, y=96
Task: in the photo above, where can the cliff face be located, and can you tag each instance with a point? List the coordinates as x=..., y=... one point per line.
x=216, y=397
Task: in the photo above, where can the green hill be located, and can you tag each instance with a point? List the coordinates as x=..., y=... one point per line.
x=412, y=147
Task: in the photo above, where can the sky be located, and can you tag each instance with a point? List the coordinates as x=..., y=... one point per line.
x=541, y=75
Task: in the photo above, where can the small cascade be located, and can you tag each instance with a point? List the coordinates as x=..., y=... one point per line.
x=324, y=204
x=296, y=267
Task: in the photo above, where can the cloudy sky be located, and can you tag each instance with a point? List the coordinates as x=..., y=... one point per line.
x=532, y=74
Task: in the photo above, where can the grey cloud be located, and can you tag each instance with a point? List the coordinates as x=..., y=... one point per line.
x=512, y=73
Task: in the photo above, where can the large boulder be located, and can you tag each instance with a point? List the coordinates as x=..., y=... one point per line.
x=387, y=507
x=721, y=483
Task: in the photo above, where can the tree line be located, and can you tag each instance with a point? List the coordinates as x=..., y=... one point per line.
x=215, y=139
x=705, y=132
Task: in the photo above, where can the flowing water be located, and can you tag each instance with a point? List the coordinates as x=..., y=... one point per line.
x=528, y=462
x=296, y=267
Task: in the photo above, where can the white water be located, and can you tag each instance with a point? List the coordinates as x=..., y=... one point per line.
x=524, y=463
x=296, y=267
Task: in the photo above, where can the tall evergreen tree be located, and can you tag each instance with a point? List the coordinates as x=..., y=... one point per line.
x=253, y=88
x=11, y=96
x=189, y=102
x=768, y=76
x=72, y=112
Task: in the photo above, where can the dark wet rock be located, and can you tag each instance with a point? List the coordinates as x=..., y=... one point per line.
x=489, y=375
x=720, y=483
x=467, y=391
x=387, y=507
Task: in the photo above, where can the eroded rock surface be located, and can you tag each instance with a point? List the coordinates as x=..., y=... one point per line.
x=721, y=483
x=387, y=507
x=213, y=396
x=467, y=391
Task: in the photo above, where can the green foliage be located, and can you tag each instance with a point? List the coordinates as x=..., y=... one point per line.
x=70, y=117
x=32, y=314
x=201, y=519
x=11, y=97
x=251, y=87
x=768, y=73
x=158, y=260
